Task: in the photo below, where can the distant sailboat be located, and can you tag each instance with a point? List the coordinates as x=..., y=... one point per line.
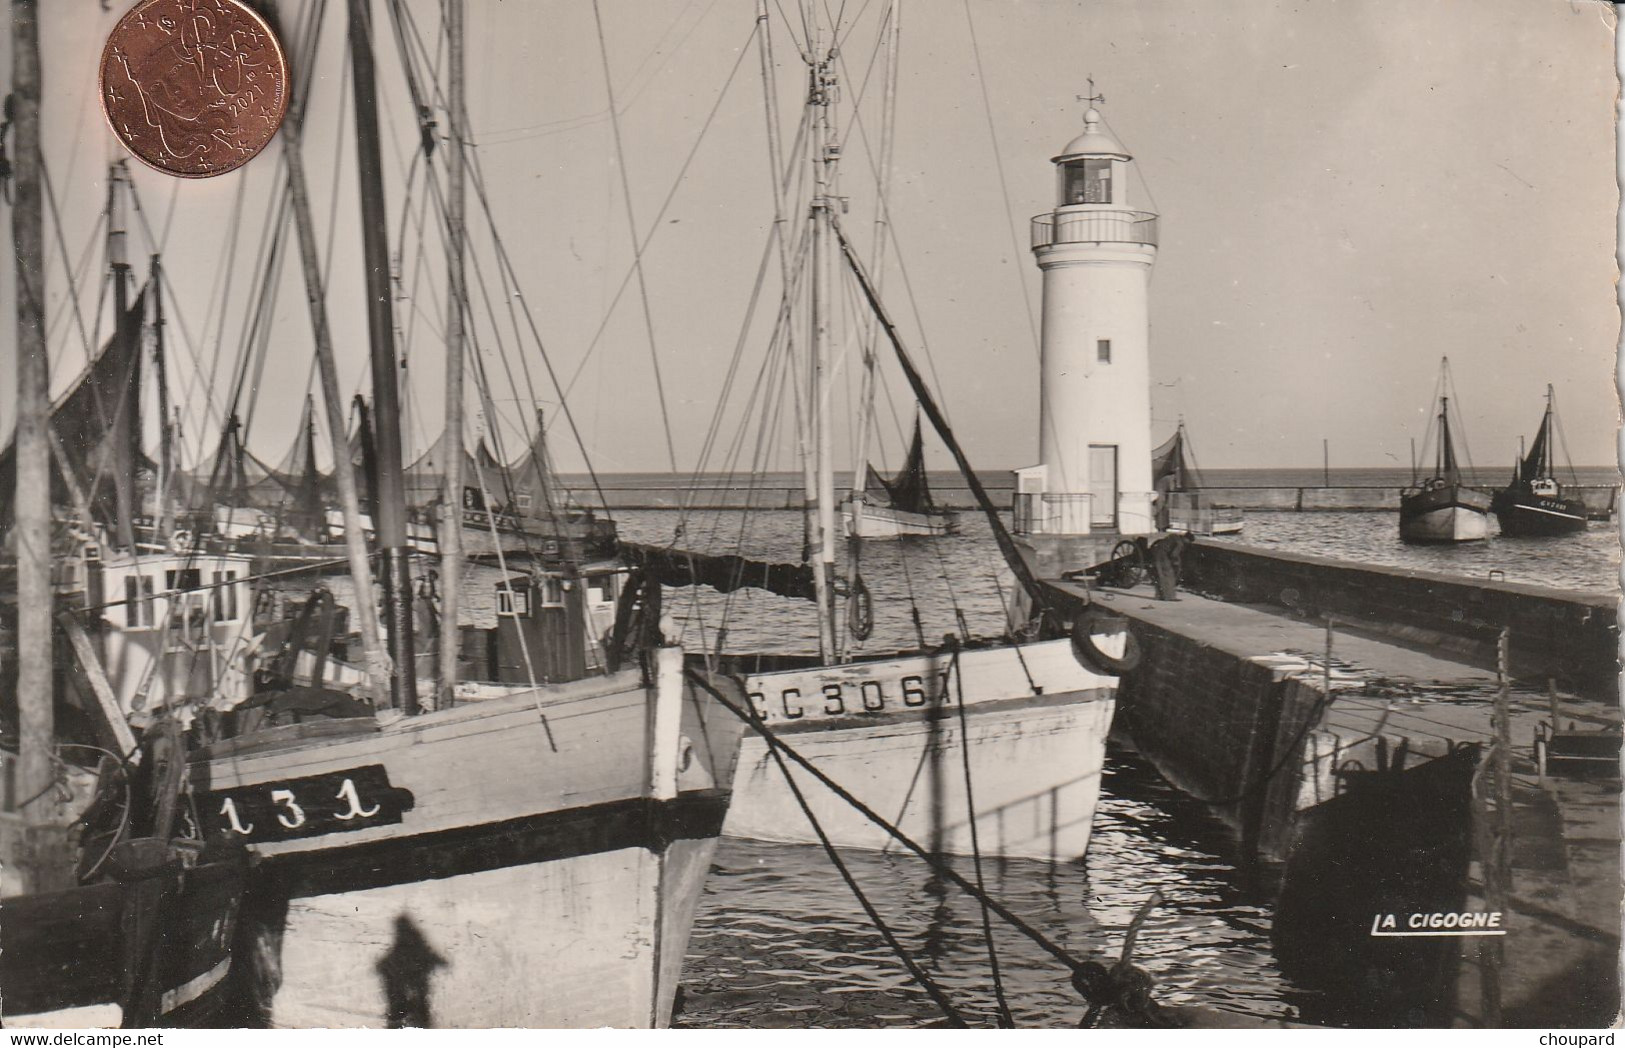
x=907, y=509
x=1182, y=506
x=1533, y=504
x=1442, y=508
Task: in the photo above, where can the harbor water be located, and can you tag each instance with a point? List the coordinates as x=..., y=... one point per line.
x=780, y=940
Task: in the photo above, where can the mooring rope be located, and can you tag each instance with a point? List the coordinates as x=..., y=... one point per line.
x=956, y=668
x=886, y=933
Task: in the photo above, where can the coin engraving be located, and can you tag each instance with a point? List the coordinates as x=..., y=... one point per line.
x=193, y=87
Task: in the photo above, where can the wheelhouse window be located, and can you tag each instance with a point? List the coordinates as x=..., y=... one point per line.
x=189, y=606
x=225, y=596
x=513, y=602
x=601, y=589
x=1103, y=350
x=1088, y=181
x=138, y=601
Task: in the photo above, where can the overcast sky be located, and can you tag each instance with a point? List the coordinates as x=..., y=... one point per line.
x=1348, y=191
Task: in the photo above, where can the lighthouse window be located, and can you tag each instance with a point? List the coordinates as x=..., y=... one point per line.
x=1103, y=350
x=1089, y=181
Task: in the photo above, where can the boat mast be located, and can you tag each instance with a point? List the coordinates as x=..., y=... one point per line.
x=1446, y=454
x=1546, y=470
x=160, y=367
x=125, y=416
x=32, y=529
x=451, y=536
x=355, y=539
x=826, y=152
x=389, y=489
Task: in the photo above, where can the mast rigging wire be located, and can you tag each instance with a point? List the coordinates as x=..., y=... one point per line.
x=1006, y=545
x=632, y=231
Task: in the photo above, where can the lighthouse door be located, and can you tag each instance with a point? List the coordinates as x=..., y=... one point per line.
x=1103, y=485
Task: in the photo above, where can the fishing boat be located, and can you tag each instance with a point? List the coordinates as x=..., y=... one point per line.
x=139, y=928
x=1181, y=503
x=117, y=913
x=904, y=505
x=977, y=746
x=1442, y=508
x=1533, y=504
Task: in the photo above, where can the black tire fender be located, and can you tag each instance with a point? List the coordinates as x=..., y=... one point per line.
x=1087, y=651
x=860, y=610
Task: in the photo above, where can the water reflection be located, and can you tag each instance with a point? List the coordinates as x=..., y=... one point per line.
x=780, y=941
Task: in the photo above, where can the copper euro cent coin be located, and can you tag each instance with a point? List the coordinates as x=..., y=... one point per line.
x=193, y=87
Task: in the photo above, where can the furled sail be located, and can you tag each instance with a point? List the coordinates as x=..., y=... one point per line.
x=908, y=491
x=305, y=492
x=1534, y=464
x=426, y=477
x=98, y=425
x=535, y=491
x=1447, y=449
x=227, y=477
x=1168, y=465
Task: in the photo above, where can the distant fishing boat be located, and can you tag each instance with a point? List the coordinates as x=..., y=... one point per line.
x=1442, y=508
x=904, y=506
x=1533, y=504
x=1182, y=505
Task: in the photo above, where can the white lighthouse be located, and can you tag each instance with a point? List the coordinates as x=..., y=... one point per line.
x=1092, y=485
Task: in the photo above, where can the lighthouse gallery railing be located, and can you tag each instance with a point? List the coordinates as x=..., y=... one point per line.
x=1094, y=227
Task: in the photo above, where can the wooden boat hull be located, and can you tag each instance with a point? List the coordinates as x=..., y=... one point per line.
x=1522, y=514
x=62, y=953
x=1191, y=513
x=507, y=862
x=883, y=522
x=1206, y=521
x=1447, y=514
x=888, y=730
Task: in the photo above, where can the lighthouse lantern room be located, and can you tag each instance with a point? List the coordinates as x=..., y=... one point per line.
x=1093, y=478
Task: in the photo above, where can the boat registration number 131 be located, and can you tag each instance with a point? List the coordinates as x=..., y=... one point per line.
x=287, y=809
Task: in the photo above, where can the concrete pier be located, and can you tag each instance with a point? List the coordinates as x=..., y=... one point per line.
x=1554, y=633
x=1238, y=705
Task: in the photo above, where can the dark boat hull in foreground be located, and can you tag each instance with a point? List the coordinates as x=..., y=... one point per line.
x=66, y=961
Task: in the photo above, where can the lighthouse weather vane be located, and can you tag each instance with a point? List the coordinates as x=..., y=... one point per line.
x=1092, y=98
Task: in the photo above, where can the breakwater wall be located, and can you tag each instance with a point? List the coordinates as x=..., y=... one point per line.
x=1573, y=637
x=1600, y=500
